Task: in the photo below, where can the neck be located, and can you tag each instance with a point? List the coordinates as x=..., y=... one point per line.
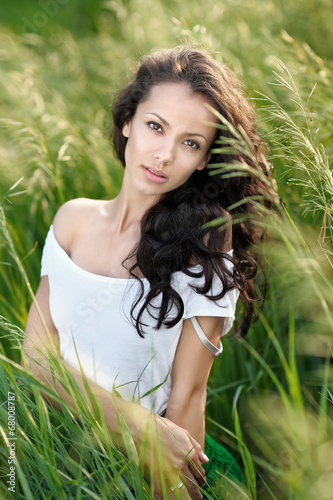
x=129, y=208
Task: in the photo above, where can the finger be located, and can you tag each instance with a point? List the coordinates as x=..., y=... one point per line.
x=197, y=469
x=196, y=464
x=201, y=455
x=198, y=475
x=191, y=484
x=178, y=490
x=181, y=493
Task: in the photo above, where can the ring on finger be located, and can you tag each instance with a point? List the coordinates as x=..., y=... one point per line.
x=179, y=485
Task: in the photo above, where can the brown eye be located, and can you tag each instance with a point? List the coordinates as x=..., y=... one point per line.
x=154, y=126
x=192, y=144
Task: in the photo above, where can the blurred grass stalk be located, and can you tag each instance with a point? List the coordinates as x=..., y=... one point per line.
x=289, y=418
x=292, y=425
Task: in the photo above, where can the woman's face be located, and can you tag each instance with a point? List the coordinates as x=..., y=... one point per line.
x=168, y=138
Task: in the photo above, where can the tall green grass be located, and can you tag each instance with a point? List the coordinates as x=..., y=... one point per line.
x=270, y=395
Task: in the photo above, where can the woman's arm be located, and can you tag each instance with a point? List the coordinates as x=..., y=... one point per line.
x=175, y=442
x=190, y=372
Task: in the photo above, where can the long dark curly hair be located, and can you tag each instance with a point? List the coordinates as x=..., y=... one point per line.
x=174, y=232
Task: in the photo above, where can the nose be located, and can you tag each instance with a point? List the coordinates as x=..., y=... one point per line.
x=164, y=153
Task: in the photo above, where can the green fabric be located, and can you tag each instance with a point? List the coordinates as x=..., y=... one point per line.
x=221, y=463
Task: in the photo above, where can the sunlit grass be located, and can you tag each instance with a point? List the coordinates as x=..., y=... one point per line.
x=270, y=395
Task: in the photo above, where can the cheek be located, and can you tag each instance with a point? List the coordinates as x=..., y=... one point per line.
x=194, y=164
x=135, y=148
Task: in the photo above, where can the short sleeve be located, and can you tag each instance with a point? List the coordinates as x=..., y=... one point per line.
x=44, y=262
x=200, y=305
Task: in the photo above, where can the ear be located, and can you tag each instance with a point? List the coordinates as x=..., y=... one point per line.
x=204, y=161
x=127, y=129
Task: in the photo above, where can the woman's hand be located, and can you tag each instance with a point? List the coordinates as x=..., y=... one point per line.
x=170, y=452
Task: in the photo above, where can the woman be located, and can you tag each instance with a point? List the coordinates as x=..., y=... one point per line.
x=137, y=289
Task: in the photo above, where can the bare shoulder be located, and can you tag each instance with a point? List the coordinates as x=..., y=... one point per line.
x=72, y=217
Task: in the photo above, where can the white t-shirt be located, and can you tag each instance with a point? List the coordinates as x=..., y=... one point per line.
x=92, y=316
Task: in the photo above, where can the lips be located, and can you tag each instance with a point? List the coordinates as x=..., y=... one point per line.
x=155, y=174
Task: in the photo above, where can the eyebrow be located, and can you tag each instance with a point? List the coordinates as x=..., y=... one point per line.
x=167, y=124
